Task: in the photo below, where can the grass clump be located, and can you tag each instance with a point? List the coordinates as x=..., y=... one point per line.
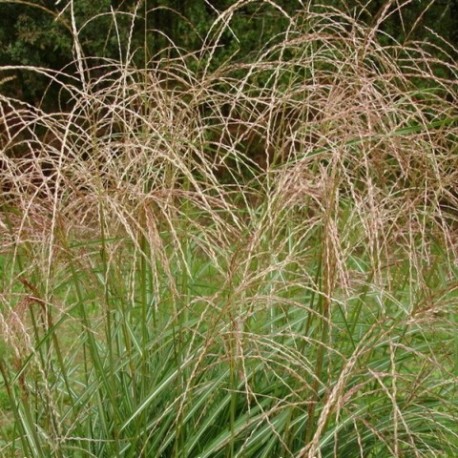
x=258, y=260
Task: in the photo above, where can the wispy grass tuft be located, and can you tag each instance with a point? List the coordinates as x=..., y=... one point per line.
x=258, y=260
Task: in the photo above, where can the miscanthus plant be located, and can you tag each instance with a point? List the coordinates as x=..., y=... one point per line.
x=252, y=260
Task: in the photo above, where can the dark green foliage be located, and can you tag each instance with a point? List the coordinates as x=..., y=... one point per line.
x=40, y=33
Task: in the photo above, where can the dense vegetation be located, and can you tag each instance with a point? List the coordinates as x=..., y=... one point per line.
x=241, y=244
x=41, y=33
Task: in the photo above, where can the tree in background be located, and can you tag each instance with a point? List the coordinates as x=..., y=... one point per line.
x=39, y=33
